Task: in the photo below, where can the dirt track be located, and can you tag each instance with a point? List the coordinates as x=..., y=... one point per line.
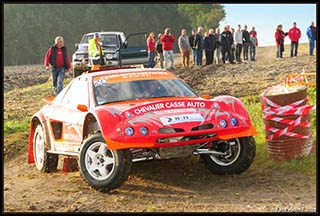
x=177, y=185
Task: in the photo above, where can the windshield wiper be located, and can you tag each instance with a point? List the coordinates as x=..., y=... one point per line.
x=163, y=96
x=112, y=102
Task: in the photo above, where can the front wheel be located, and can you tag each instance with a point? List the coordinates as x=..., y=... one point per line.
x=103, y=169
x=239, y=155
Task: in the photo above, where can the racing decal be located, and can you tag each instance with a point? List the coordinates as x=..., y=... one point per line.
x=218, y=113
x=167, y=120
x=112, y=111
x=228, y=102
x=138, y=120
x=174, y=111
x=206, y=111
x=127, y=77
x=169, y=105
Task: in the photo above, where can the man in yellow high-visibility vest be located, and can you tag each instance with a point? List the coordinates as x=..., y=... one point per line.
x=95, y=52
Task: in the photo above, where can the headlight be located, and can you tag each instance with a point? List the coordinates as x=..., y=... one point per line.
x=223, y=123
x=144, y=131
x=129, y=131
x=234, y=121
x=115, y=55
x=109, y=56
x=79, y=57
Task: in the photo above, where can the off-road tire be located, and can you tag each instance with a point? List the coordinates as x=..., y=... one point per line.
x=50, y=161
x=77, y=72
x=123, y=165
x=243, y=162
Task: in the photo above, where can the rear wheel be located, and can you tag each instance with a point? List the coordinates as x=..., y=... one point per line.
x=45, y=162
x=238, y=156
x=103, y=169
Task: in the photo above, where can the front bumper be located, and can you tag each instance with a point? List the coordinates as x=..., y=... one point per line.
x=197, y=137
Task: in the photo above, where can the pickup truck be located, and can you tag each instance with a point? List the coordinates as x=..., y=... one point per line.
x=117, y=51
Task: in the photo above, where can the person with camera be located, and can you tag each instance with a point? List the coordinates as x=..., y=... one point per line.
x=167, y=46
x=57, y=56
x=96, y=54
x=280, y=35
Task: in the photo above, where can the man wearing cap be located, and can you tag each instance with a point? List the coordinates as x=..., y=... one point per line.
x=57, y=56
x=167, y=46
x=96, y=52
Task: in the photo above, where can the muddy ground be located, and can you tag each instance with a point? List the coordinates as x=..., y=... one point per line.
x=176, y=185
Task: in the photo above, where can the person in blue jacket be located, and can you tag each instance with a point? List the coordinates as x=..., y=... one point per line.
x=312, y=35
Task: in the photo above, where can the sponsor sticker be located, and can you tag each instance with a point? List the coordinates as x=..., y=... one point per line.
x=168, y=120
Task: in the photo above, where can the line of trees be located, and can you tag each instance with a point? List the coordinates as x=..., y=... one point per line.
x=29, y=29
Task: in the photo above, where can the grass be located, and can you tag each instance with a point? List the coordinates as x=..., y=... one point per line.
x=262, y=160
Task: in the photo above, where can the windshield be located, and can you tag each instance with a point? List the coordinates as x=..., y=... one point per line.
x=140, y=89
x=107, y=40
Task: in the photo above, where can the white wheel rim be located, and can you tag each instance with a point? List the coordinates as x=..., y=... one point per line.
x=220, y=162
x=99, y=161
x=39, y=145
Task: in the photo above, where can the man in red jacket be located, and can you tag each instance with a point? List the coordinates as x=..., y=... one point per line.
x=167, y=46
x=58, y=58
x=294, y=35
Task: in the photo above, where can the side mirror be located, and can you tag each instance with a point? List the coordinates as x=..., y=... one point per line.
x=49, y=99
x=125, y=44
x=76, y=45
x=82, y=108
x=205, y=97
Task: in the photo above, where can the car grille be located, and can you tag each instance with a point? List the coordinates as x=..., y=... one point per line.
x=185, y=138
x=202, y=127
x=170, y=130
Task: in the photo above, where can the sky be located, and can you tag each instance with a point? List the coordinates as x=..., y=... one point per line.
x=266, y=17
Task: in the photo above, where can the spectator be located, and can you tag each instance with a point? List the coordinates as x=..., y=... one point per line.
x=294, y=35
x=312, y=35
x=226, y=41
x=57, y=56
x=208, y=47
x=280, y=35
x=198, y=46
x=232, y=45
x=167, y=46
x=253, y=44
x=184, y=47
x=151, y=43
x=212, y=38
x=159, y=50
x=217, y=39
x=193, y=50
x=96, y=55
x=246, y=42
x=238, y=42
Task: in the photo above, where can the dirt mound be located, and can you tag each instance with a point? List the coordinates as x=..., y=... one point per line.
x=23, y=76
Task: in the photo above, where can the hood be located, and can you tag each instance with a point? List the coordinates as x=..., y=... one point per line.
x=176, y=111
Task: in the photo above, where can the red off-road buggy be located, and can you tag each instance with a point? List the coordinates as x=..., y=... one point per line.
x=111, y=118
